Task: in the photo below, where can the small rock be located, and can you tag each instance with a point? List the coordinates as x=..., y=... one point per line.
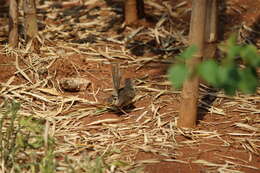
x=74, y=84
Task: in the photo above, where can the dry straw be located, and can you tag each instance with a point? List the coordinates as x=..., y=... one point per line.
x=77, y=123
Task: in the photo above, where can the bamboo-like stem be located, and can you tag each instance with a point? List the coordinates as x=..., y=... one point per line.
x=134, y=10
x=190, y=92
x=211, y=21
x=30, y=22
x=13, y=24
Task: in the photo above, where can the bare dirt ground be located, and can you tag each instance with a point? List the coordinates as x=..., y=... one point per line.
x=81, y=41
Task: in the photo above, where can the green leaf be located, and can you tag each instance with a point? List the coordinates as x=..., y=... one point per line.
x=188, y=53
x=228, y=74
x=231, y=48
x=250, y=56
x=229, y=89
x=228, y=78
x=222, y=75
x=248, y=82
x=208, y=70
x=233, y=52
x=232, y=40
x=177, y=75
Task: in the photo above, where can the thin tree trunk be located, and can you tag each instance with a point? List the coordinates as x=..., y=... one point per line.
x=30, y=23
x=134, y=10
x=190, y=91
x=131, y=14
x=211, y=21
x=13, y=24
x=211, y=29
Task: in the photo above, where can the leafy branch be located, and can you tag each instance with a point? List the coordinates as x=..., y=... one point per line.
x=237, y=70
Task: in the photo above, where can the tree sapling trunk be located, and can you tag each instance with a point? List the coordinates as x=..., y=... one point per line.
x=134, y=10
x=13, y=24
x=190, y=91
x=30, y=23
x=211, y=21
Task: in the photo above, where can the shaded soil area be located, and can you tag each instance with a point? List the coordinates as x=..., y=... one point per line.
x=81, y=41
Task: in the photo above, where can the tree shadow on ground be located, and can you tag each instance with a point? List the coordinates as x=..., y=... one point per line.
x=206, y=102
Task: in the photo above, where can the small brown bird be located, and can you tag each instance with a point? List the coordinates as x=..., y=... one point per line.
x=124, y=96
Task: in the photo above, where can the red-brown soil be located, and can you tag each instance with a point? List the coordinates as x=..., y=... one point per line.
x=219, y=143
